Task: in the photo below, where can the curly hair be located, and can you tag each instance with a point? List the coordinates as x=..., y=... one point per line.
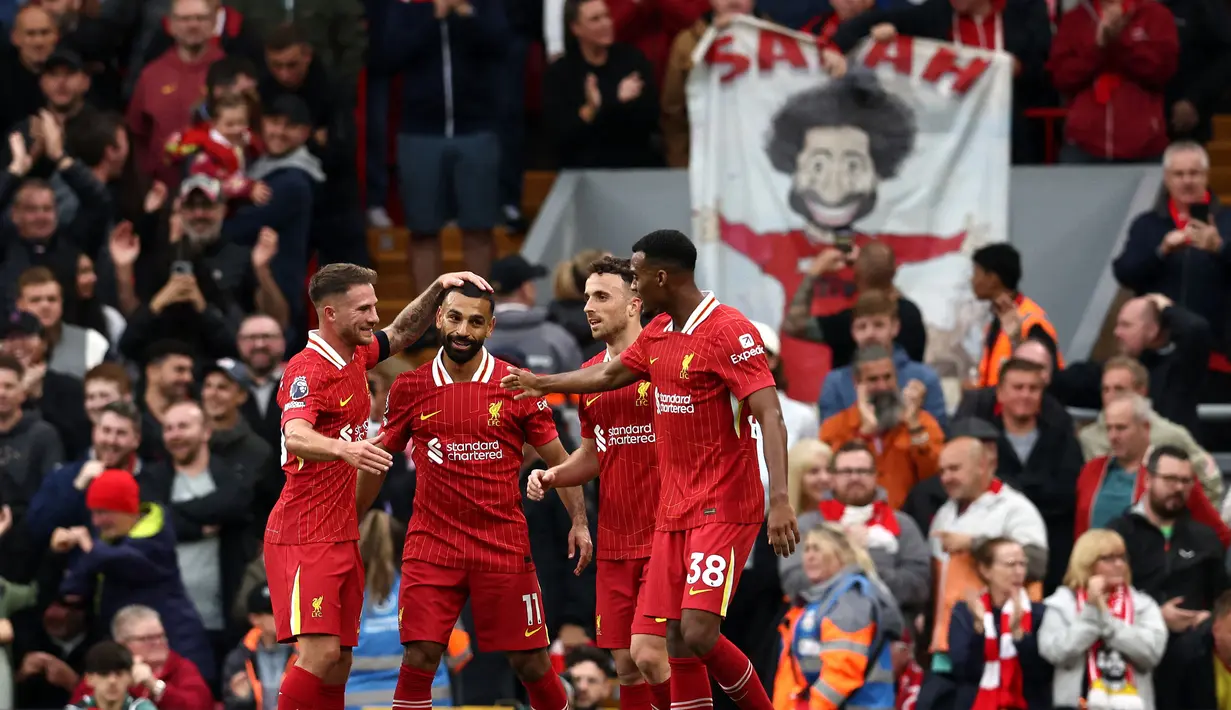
x=857, y=100
x=614, y=265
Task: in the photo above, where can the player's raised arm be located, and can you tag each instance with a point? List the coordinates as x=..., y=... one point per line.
x=611, y=375
x=578, y=469
x=302, y=441
x=579, y=543
x=783, y=529
x=415, y=318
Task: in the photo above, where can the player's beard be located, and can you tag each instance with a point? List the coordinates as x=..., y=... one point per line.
x=469, y=348
x=608, y=329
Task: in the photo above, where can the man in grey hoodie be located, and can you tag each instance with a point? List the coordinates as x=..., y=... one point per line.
x=523, y=326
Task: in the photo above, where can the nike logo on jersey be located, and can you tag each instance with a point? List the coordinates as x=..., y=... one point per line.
x=347, y=400
x=653, y=360
x=530, y=632
x=593, y=399
x=692, y=592
x=425, y=417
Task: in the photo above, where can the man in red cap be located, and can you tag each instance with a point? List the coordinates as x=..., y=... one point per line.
x=132, y=561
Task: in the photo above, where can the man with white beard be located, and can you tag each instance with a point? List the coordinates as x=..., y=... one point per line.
x=905, y=439
x=202, y=286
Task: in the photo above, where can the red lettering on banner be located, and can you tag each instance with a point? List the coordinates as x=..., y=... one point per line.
x=719, y=53
x=945, y=62
x=773, y=47
x=897, y=52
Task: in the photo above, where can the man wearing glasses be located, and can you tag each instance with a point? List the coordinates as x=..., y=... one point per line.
x=262, y=347
x=892, y=539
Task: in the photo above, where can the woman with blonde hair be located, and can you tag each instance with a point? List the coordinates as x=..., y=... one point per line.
x=568, y=299
x=378, y=657
x=807, y=474
x=838, y=638
x=1102, y=636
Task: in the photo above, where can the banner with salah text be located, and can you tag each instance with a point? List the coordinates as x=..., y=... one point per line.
x=910, y=148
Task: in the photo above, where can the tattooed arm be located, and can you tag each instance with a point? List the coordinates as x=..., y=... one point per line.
x=799, y=322
x=415, y=318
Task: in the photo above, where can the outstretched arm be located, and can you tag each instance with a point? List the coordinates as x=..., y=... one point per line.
x=610, y=375
x=415, y=318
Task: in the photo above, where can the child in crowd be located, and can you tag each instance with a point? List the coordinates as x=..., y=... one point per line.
x=223, y=148
x=108, y=671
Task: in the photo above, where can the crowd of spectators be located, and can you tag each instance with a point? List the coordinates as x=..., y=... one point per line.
x=175, y=167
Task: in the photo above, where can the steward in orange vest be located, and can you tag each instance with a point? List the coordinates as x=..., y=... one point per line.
x=997, y=271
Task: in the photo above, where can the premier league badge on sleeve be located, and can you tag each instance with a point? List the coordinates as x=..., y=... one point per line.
x=299, y=387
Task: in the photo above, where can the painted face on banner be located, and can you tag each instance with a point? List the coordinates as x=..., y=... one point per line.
x=835, y=180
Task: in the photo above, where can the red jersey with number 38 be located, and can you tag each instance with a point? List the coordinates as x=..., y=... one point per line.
x=467, y=449
x=621, y=423
x=331, y=394
x=707, y=439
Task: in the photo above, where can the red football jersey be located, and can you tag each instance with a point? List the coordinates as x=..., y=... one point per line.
x=707, y=441
x=467, y=442
x=318, y=501
x=621, y=423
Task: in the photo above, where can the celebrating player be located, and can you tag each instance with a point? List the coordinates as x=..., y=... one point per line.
x=468, y=536
x=311, y=540
x=618, y=441
x=714, y=398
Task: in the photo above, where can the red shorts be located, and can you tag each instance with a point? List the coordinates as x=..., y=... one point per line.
x=621, y=592
x=697, y=568
x=316, y=588
x=507, y=606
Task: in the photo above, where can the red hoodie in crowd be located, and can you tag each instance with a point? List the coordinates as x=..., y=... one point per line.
x=651, y=26
x=1115, y=92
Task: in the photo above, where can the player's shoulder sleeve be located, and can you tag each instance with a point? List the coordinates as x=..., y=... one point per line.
x=583, y=406
x=302, y=386
x=376, y=351
x=539, y=424
x=738, y=354
x=400, y=410
x=636, y=357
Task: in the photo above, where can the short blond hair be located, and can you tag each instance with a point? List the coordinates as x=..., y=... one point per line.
x=1137, y=371
x=832, y=538
x=1092, y=545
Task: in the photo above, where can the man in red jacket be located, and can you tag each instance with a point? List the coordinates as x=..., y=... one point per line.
x=1111, y=60
x=160, y=674
x=1109, y=486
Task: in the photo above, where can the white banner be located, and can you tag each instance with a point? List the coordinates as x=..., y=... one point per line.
x=911, y=149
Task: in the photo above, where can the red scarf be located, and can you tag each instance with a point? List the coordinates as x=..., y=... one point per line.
x=1102, y=693
x=1180, y=221
x=986, y=32
x=1000, y=688
x=882, y=515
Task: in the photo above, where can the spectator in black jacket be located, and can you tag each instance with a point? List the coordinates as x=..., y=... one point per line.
x=450, y=52
x=1204, y=683
x=1174, y=559
x=1204, y=29
x=1039, y=457
x=601, y=102
x=34, y=36
x=1174, y=345
x=261, y=350
x=294, y=69
x=983, y=403
x=222, y=394
x=97, y=41
x=49, y=655
x=207, y=499
x=57, y=398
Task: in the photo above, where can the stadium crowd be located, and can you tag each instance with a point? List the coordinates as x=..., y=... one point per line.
x=176, y=169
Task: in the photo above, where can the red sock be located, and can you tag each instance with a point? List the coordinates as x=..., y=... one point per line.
x=660, y=695
x=333, y=697
x=635, y=697
x=414, y=689
x=300, y=690
x=690, y=685
x=734, y=673
x=546, y=693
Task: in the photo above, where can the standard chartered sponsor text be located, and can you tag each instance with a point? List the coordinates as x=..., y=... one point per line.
x=632, y=434
x=475, y=451
x=673, y=403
